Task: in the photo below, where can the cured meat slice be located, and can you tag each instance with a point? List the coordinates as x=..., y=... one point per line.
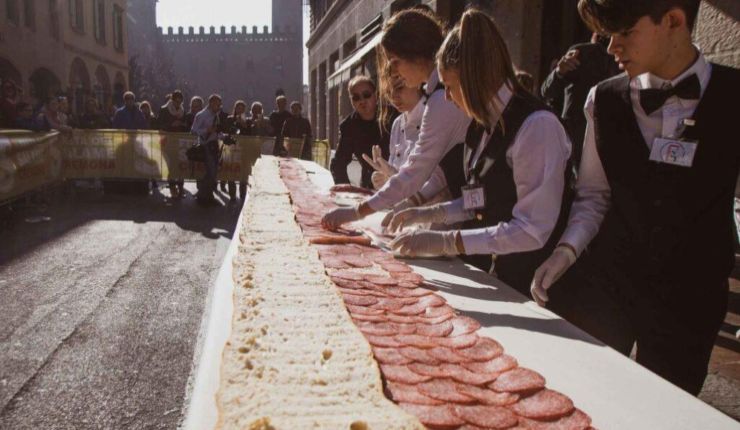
x=340, y=240
x=444, y=389
x=346, y=283
x=393, y=303
x=390, y=356
x=418, y=355
x=487, y=396
x=496, y=366
x=461, y=374
x=463, y=325
x=395, y=267
x=361, y=292
x=357, y=261
x=435, y=330
x=368, y=318
x=381, y=280
x=422, y=306
x=334, y=263
x=432, y=370
x=356, y=300
x=577, y=420
x=348, y=275
x=436, y=311
x=433, y=416
x=382, y=341
x=378, y=329
x=407, y=292
x=402, y=374
x=543, y=405
x=363, y=310
x=424, y=342
x=457, y=342
x=518, y=380
x=484, y=349
x=348, y=188
x=408, y=277
x=493, y=417
x=433, y=320
x=446, y=355
x=403, y=393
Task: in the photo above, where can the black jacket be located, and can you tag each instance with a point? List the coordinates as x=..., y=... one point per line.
x=357, y=137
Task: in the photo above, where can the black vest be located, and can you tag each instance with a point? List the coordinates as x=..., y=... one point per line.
x=494, y=174
x=669, y=224
x=452, y=163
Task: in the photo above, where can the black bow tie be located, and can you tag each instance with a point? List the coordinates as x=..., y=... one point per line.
x=652, y=99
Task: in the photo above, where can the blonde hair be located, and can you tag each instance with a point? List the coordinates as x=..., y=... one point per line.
x=476, y=50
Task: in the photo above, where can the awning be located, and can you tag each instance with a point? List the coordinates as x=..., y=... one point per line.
x=342, y=74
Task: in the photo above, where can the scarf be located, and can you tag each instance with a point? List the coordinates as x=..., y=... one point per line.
x=175, y=112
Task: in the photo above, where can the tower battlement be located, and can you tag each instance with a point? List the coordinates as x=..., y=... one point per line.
x=235, y=34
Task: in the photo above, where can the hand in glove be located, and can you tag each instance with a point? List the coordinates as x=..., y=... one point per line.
x=421, y=215
x=550, y=271
x=404, y=204
x=334, y=219
x=379, y=163
x=425, y=243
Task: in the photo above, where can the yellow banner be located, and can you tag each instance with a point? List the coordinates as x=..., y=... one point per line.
x=30, y=160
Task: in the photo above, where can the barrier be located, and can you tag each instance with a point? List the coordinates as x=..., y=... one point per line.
x=30, y=160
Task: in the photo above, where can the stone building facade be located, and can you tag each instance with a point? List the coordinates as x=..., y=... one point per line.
x=252, y=64
x=72, y=47
x=538, y=32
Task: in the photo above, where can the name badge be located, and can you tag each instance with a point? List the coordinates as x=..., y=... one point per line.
x=672, y=151
x=473, y=197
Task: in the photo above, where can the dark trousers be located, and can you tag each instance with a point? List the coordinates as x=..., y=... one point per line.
x=242, y=189
x=674, y=326
x=207, y=184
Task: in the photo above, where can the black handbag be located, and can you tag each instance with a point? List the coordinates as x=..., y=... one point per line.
x=196, y=153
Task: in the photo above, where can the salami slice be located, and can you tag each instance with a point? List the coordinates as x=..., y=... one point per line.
x=433, y=416
x=363, y=310
x=493, y=417
x=382, y=341
x=518, y=380
x=403, y=393
x=406, y=292
x=361, y=292
x=433, y=320
x=446, y=355
x=378, y=329
x=487, y=396
x=432, y=370
x=393, y=303
x=381, y=280
x=402, y=374
x=418, y=355
x=577, y=420
x=463, y=325
x=339, y=240
x=465, y=376
x=543, y=405
x=444, y=389
x=348, y=188
x=348, y=275
x=334, y=263
x=356, y=300
x=408, y=277
x=390, y=356
x=423, y=306
x=346, y=283
x=424, y=342
x=357, y=261
x=457, y=342
x=395, y=267
x=496, y=366
x=435, y=330
x=357, y=318
x=437, y=311
x=484, y=349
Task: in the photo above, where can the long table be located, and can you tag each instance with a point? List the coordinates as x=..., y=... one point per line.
x=615, y=391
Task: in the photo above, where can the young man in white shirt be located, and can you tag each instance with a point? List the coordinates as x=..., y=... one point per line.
x=654, y=195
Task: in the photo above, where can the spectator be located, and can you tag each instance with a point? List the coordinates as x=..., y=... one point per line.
x=277, y=119
x=196, y=105
x=207, y=126
x=150, y=120
x=129, y=117
x=582, y=67
x=298, y=127
x=359, y=132
x=92, y=119
x=237, y=123
x=24, y=117
x=48, y=118
x=8, y=100
x=259, y=125
x=172, y=118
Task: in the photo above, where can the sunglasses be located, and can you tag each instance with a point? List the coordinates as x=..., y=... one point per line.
x=364, y=96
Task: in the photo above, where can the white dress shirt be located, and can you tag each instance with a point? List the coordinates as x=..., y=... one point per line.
x=593, y=194
x=202, y=122
x=443, y=126
x=538, y=157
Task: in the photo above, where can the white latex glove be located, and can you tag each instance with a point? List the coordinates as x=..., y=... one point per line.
x=550, y=271
x=404, y=204
x=378, y=179
x=379, y=163
x=334, y=219
x=425, y=243
x=420, y=215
